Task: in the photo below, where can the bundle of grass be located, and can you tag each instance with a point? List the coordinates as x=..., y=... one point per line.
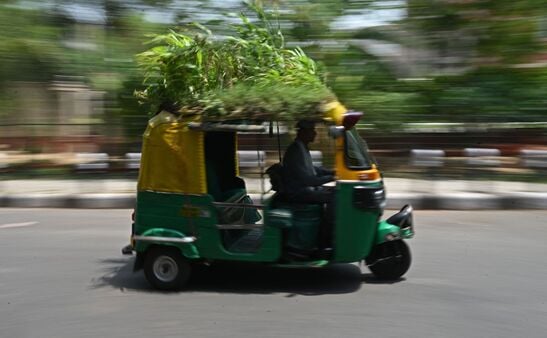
x=248, y=76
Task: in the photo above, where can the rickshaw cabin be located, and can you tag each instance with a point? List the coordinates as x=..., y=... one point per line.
x=177, y=158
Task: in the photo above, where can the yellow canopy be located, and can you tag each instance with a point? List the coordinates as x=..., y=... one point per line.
x=173, y=157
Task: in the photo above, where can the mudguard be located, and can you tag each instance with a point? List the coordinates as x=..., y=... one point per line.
x=161, y=236
x=396, y=227
x=385, y=229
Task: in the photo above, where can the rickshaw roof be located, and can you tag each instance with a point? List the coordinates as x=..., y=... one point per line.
x=332, y=113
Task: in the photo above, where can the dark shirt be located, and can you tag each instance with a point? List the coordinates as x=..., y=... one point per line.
x=298, y=170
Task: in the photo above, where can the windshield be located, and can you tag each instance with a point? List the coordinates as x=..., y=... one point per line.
x=356, y=151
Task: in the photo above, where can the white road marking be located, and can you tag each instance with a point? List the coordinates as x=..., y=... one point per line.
x=17, y=225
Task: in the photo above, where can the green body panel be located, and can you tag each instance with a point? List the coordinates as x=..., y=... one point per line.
x=280, y=218
x=305, y=223
x=407, y=233
x=355, y=229
x=195, y=215
x=188, y=249
x=385, y=228
x=304, y=233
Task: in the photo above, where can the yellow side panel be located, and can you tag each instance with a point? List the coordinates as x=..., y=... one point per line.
x=172, y=157
x=344, y=173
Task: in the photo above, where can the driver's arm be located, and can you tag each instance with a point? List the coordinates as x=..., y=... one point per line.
x=324, y=171
x=295, y=167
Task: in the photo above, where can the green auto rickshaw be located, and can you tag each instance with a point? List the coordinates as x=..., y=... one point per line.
x=192, y=207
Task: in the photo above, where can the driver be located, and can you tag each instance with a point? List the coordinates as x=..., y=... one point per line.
x=302, y=181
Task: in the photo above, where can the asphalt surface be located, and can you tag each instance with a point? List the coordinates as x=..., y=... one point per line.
x=474, y=274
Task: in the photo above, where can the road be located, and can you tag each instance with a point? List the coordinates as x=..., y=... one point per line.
x=474, y=274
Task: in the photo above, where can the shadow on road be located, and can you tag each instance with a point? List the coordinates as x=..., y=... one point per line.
x=119, y=273
x=246, y=279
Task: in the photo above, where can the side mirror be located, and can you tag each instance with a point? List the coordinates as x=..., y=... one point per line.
x=351, y=118
x=336, y=131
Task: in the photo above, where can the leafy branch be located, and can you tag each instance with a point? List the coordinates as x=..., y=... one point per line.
x=250, y=75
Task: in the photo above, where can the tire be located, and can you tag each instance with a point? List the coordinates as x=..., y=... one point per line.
x=166, y=269
x=389, y=260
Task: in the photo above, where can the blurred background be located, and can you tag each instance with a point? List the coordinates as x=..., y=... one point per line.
x=450, y=88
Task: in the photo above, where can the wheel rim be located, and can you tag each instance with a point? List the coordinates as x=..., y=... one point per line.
x=165, y=269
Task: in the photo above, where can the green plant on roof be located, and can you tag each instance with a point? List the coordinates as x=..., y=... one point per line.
x=251, y=75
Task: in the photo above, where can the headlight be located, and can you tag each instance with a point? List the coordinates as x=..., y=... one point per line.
x=368, y=198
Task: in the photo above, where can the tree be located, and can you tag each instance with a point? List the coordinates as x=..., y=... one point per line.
x=29, y=50
x=485, y=51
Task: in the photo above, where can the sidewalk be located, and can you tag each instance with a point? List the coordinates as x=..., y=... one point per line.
x=422, y=194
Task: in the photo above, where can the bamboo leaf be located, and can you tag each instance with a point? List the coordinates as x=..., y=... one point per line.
x=247, y=75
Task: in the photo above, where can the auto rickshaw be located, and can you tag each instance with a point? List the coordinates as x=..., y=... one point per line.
x=192, y=207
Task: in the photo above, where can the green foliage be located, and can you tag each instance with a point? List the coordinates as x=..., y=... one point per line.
x=132, y=114
x=249, y=75
x=493, y=94
x=477, y=74
x=389, y=109
x=273, y=99
x=28, y=47
x=311, y=19
x=246, y=69
x=504, y=32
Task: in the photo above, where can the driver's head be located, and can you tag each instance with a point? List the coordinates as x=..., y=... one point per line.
x=306, y=131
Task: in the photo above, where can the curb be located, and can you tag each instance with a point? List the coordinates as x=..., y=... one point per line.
x=525, y=200
x=454, y=201
x=83, y=201
x=470, y=201
x=104, y=201
x=36, y=201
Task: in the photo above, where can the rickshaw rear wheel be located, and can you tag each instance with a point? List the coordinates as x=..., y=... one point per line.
x=389, y=260
x=166, y=269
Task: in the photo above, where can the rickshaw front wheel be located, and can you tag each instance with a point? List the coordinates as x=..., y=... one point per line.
x=389, y=260
x=166, y=269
